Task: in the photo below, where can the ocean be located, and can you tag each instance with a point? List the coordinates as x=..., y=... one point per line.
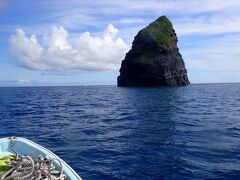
x=106, y=132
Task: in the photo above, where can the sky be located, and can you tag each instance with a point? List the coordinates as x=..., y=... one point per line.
x=82, y=42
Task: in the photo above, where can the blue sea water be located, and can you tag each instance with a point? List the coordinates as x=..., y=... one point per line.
x=106, y=132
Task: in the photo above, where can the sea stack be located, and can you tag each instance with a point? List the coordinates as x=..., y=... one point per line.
x=154, y=59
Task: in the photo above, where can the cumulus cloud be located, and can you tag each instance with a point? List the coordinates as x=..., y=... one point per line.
x=58, y=53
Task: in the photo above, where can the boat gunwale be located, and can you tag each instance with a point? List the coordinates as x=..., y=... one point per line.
x=43, y=150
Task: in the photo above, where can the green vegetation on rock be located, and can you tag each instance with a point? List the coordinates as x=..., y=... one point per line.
x=160, y=30
x=146, y=57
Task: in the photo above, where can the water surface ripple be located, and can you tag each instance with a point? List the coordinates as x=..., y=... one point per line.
x=105, y=132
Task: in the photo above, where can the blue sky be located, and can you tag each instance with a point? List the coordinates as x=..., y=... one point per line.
x=76, y=42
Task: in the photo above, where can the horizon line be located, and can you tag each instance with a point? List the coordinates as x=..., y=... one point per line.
x=84, y=85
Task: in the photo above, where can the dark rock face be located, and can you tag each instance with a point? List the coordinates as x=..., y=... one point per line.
x=154, y=59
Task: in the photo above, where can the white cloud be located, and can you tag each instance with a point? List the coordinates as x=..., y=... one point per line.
x=22, y=81
x=57, y=53
x=143, y=6
x=131, y=21
x=216, y=54
x=208, y=25
x=77, y=15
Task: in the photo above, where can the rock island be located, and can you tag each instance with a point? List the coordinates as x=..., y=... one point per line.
x=154, y=59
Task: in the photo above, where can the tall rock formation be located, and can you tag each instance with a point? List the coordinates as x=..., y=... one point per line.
x=154, y=59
